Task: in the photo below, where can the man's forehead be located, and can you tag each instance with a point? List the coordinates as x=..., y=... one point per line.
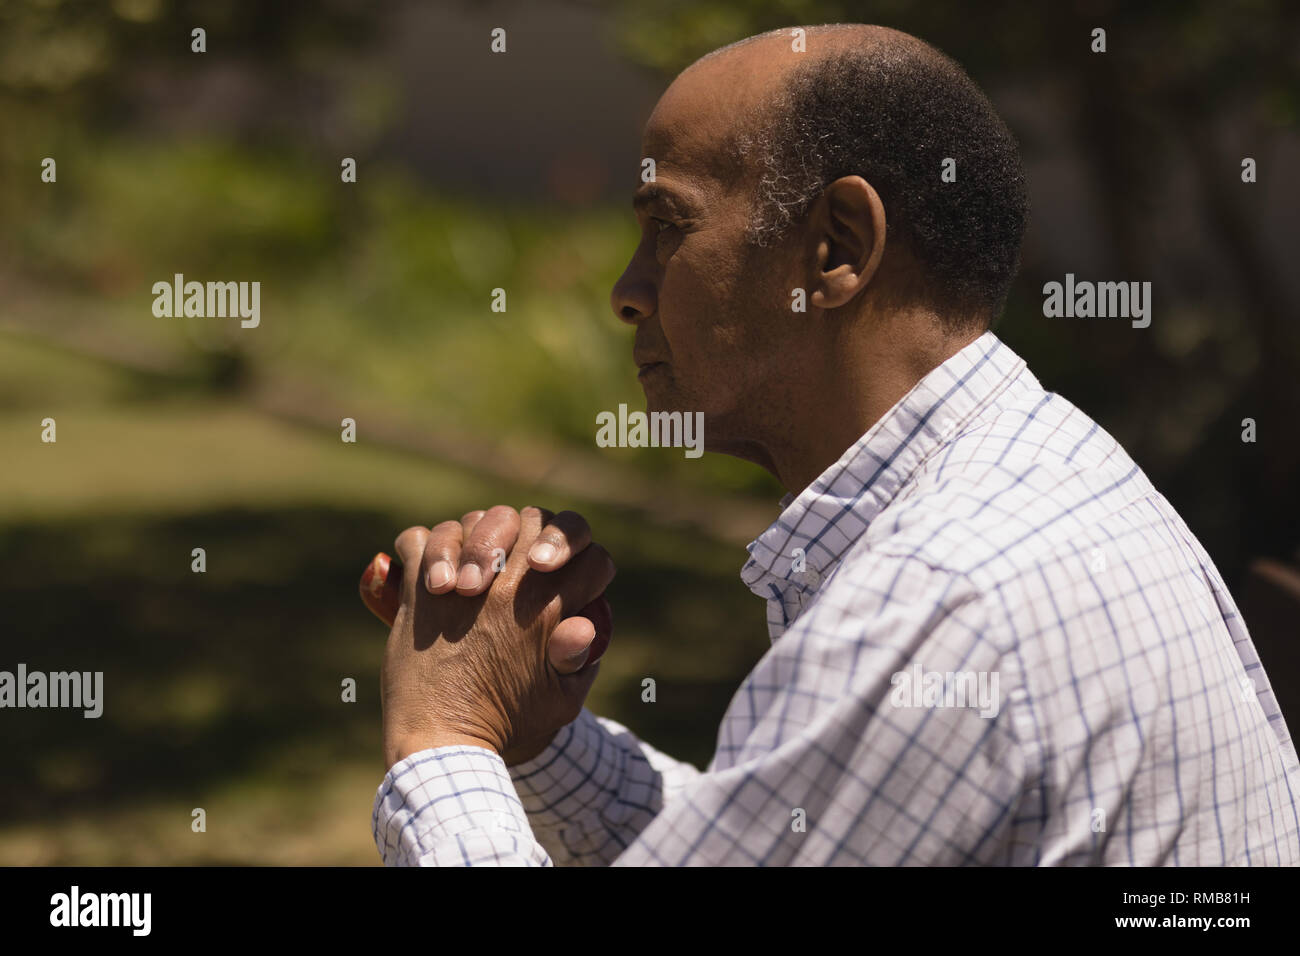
x=698, y=116
x=692, y=132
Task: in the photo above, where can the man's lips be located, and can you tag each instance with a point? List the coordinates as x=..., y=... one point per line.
x=648, y=368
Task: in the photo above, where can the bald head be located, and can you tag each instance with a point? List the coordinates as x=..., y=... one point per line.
x=720, y=99
x=814, y=42
x=875, y=102
x=803, y=257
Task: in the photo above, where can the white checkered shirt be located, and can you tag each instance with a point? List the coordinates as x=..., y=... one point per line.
x=994, y=642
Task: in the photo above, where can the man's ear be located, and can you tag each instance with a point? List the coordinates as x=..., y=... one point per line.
x=846, y=230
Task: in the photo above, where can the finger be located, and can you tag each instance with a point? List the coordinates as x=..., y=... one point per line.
x=442, y=550
x=469, y=519
x=579, y=583
x=380, y=591
x=564, y=536
x=601, y=615
x=581, y=641
x=468, y=522
x=577, y=686
x=570, y=643
x=410, y=550
x=485, y=550
x=532, y=520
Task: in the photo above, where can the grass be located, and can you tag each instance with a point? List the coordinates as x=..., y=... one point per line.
x=222, y=689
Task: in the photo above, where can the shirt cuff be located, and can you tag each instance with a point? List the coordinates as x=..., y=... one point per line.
x=434, y=796
x=579, y=769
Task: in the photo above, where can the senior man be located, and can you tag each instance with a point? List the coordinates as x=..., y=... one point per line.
x=993, y=641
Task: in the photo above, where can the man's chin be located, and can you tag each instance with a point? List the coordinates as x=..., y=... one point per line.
x=663, y=395
x=655, y=398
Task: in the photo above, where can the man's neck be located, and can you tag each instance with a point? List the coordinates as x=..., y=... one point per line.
x=859, y=387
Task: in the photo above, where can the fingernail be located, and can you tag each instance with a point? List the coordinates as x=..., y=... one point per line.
x=470, y=578
x=543, y=553
x=439, y=575
x=580, y=658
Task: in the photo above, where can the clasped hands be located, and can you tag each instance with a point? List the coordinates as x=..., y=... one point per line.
x=498, y=622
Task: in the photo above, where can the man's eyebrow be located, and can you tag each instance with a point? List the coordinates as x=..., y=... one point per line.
x=655, y=192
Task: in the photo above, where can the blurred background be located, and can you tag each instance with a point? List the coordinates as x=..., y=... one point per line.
x=475, y=171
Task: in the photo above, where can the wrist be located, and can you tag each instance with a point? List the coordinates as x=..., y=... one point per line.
x=404, y=747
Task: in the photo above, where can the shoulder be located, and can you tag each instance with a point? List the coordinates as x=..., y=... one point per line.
x=1008, y=493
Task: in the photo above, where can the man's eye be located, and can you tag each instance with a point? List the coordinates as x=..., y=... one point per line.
x=662, y=225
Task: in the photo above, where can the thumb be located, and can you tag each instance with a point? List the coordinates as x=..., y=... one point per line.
x=581, y=640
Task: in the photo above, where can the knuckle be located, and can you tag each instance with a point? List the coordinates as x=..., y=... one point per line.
x=443, y=542
x=496, y=528
x=504, y=588
x=445, y=533
x=469, y=516
x=479, y=550
x=542, y=514
x=575, y=522
x=498, y=513
x=411, y=538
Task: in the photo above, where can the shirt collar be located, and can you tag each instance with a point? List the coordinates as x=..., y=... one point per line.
x=817, y=526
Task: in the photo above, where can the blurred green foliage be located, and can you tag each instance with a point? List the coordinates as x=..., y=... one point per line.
x=383, y=291
x=379, y=293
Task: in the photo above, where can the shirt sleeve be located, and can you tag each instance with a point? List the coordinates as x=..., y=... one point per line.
x=452, y=806
x=580, y=802
x=595, y=788
x=881, y=729
x=885, y=727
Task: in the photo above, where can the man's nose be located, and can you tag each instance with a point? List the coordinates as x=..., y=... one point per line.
x=633, y=298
